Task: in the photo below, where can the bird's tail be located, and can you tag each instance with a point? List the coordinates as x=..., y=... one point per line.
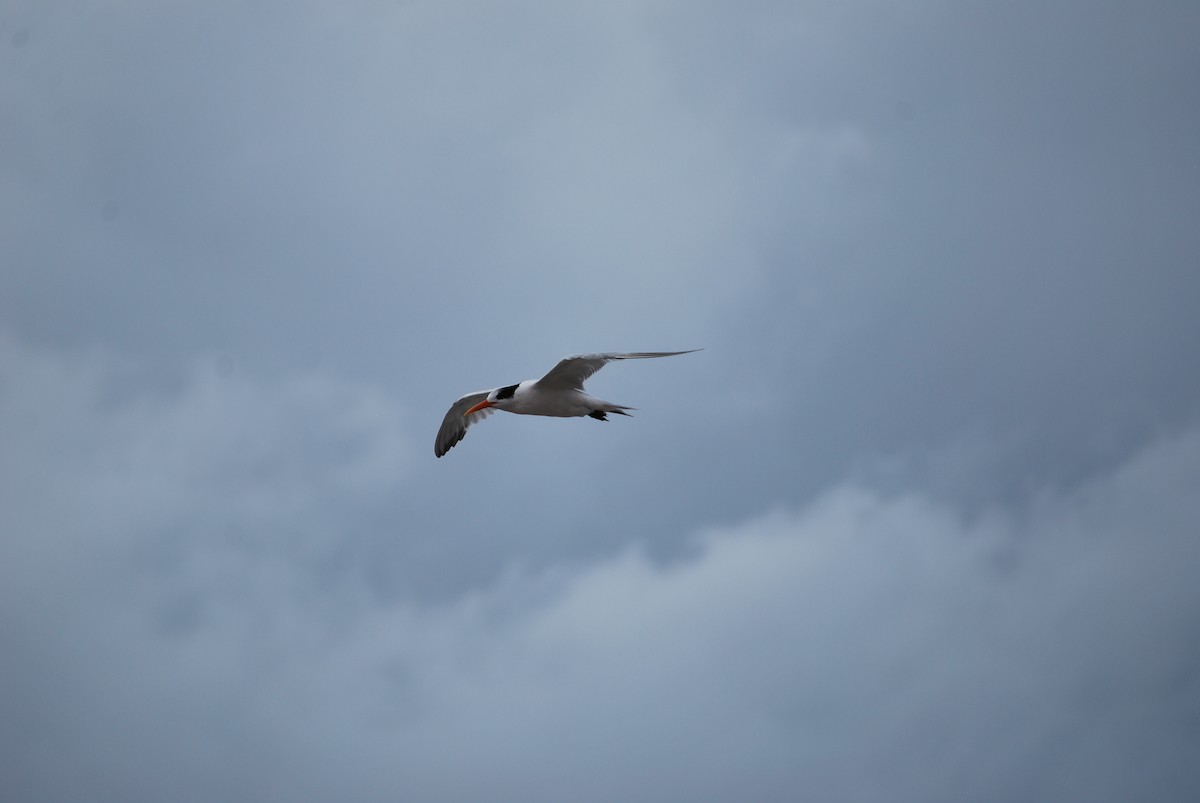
x=619, y=409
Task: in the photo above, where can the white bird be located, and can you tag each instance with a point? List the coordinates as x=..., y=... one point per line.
x=559, y=393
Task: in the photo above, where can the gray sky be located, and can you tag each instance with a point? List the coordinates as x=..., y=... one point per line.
x=919, y=523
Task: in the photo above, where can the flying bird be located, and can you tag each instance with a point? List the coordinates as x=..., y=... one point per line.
x=559, y=393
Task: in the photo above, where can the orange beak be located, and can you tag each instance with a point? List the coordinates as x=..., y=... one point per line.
x=482, y=405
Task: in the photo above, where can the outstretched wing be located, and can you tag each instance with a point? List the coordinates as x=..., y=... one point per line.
x=571, y=372
x=454, y=425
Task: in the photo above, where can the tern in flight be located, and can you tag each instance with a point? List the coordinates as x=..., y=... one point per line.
x=559, y=393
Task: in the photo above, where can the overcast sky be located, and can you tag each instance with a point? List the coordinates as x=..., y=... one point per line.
x=920, y=523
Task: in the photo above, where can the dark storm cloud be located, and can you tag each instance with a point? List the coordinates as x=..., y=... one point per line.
x=942, y=262
x=862, y=647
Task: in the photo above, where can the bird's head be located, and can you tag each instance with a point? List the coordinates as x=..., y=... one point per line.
x=498, y=398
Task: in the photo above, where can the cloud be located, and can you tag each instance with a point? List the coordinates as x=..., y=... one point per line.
x=176, y=627
x=113, y=476
x=862, y=648
x=942, y=264
x=422, y=178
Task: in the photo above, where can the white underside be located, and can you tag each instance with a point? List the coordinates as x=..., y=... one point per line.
x=557, y=403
